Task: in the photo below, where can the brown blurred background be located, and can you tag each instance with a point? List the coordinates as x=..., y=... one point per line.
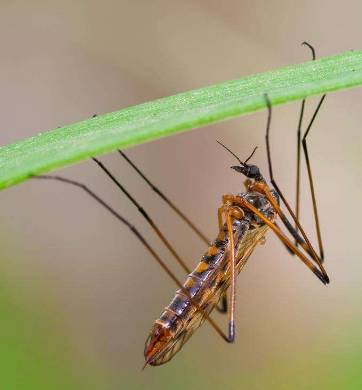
x=63, y=62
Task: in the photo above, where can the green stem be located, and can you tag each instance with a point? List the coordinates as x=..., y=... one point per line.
x=163, y=117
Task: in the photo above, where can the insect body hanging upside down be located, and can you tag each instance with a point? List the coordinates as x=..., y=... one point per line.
x=208, y=283
x=247, y=216
x=243, y=219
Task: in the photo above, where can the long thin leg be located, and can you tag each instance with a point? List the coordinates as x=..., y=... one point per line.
x=222, y=306
x=297, y=189
x=141, y=239
x=166, y=199
x=310, y=178
x=303, y=244
x=231, y=213
x=299, y=136
x=265, y=190
x=272, y=180
x=145, y=215
x=305, y=150
x=229, y=224
x=242, y=202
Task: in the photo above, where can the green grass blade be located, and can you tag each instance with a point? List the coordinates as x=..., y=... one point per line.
x=166, y=116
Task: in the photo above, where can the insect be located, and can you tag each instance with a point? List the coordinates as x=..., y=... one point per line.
x=243, y=221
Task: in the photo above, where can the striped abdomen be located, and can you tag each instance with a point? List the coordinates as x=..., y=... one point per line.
x=205, y=286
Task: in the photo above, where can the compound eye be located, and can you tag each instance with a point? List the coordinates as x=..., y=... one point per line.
x=253, y=171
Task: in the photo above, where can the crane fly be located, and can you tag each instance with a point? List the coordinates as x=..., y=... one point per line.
x=243, y=221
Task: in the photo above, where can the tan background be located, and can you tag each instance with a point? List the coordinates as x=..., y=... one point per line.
x=63, y=62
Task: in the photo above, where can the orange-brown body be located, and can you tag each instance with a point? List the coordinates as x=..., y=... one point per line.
x=206, y=284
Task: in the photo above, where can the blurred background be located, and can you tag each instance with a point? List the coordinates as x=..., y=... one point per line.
x=78, y=293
